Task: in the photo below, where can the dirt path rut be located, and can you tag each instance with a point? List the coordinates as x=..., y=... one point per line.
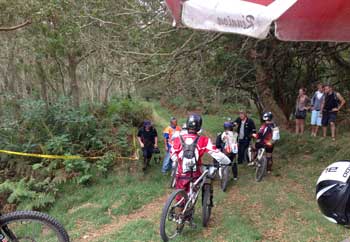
x=145, y=212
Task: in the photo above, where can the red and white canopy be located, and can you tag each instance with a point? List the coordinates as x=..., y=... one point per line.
x=295, y=20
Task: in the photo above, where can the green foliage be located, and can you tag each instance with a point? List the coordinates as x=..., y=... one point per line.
x=33, y=195
x=61, y=129
x=80, y=167
x=77, y=165
x=182, y=103
x=58, y=144
x=105, y=162
x=128, y=111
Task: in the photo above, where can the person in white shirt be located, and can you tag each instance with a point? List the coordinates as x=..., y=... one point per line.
x=316, y=117
x=226, y=142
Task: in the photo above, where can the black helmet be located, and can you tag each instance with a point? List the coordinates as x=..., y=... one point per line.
x=333, y=192
x=194, y=122
x=228, y=125
x=267, y=116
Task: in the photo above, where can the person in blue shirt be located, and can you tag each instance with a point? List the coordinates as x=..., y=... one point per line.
x=169, y=133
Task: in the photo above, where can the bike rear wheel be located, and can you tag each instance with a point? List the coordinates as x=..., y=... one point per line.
x=260, y=170
x=206, y=205
x=29, y=226
x=172, y=221
x=225, y=178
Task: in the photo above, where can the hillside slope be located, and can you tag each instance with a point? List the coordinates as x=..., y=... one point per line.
x=126, y=206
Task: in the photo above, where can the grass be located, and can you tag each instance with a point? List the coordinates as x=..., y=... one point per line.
x=82, y=208
x=280, y=208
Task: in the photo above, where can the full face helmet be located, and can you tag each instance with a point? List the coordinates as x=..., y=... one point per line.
x=194, y=122
x=333, y=192
x=267, y=116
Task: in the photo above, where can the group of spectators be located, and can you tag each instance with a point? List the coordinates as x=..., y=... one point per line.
x=245, y=131
x=324, y=106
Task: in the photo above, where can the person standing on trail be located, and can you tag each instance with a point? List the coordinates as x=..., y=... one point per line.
x=301, y=107
x=264, y=139
x=331, y=105
x=316, y=117
x=148, y=140
x=226, y=142
x=245, y=128
x=169, y=133
x=188, y=150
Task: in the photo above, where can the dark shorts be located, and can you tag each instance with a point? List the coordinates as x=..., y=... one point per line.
x=328, y=117
x=268, y=149
x=300, y=114
x=147, y=152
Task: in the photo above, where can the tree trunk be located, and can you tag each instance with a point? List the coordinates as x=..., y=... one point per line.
x=106, y=94
x=265, y=97
x=43, y=81
x=72, y=72
x=11, y=70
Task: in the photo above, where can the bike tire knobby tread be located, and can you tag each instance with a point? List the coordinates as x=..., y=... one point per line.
x=36, y=216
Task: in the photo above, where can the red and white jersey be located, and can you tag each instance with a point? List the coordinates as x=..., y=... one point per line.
x=204, y=145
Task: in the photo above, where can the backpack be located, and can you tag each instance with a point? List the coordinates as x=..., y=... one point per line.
x=230, y=144
x=275, y=133
x=189, y=159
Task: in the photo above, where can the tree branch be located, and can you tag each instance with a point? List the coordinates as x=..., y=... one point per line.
x=12, y=28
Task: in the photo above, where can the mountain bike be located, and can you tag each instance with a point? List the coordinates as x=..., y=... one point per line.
x=180, y=206
x=31, y=226
x=259, y=160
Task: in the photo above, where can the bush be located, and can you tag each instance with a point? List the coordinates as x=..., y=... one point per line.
x=128, y=111
x=59, y=128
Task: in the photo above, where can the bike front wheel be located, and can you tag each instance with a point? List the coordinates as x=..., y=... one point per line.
x=206, y=205
x=29, y=226
x=260, y=170
x=172, y=219
x=225, y=178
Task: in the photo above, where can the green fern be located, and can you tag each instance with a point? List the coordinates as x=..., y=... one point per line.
x=41, y=200
x=18, y=191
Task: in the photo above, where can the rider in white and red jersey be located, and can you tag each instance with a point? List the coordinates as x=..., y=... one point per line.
x=188, y=150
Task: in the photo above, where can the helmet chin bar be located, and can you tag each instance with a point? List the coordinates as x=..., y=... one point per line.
x=331, y=219
x=333, y=192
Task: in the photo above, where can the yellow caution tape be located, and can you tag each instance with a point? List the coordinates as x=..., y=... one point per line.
x=63, y=157
x=71, y=157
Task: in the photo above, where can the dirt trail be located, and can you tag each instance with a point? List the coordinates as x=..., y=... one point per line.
x=146, y=212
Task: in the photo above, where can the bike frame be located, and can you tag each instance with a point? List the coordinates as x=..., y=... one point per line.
x=193, y=195
x=261, y=153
